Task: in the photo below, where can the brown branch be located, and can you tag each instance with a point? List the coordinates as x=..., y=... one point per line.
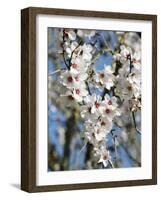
x=73, y=52
x=88, y=88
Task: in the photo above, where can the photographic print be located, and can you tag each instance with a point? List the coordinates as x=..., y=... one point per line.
x=94, y=99
x=88, y=99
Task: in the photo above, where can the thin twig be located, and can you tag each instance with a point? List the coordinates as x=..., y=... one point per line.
x=105, y=91
x=110, y=163
x=83, y=148
x=88, y=88
x=65, y=60
x=64, y=51
x=55, y=72
x=73, y=52
x=131, y=66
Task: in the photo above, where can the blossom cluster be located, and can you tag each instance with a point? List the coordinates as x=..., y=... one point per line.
x=120, y=84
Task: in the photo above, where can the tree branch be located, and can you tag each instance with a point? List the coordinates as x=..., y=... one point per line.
x=73, y=53
x=88, y=88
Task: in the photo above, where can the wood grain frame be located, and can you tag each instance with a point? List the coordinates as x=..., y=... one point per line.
x=28, y=98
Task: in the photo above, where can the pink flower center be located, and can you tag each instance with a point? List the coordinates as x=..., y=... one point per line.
x=103, y=123
x=105, y=157
x=128, y=56
x=129, y=88
x=97, y=104
x=74, y=65
x=102, y=75
x=70, y=79
x=109, y=102
x=77, y=91
x=107, y=110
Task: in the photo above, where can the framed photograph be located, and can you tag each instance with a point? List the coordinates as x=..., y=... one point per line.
x=88, y=99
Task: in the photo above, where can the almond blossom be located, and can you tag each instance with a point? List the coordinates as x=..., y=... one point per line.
x=124, y=89
x=105, y=77
x=86, y=33
x=79, y=92
x=110, y=108
x=104, y=156
x=70, y=33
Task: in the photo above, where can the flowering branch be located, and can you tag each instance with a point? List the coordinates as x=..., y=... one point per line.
x=55, y=72
x=120, y=84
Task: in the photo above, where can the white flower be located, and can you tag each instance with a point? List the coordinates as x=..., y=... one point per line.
x=110, y=102
x=127, y=58
x=104, y=156
x=72, y=79
x=124, y=89
x=86, y=33
x=85, y=112
x=125, y=53
x=137, y=62
x=105, y=77
x=137, y=66
x=95, y=102
x=67, y=79
x=105, y=124
x=79, y=92
x=116, y=56
x=124, y=70
x=134, y=105
x=99, y=133
x=91, y=138
x=70, y=33
x=110, y=109
x=109, y=113
x=69, y=47
x=89, y=132
x=79, y=77
x=95, y=133
x=84, y=52
x=98, y=129
x=78, y=65
x=136, y=57
x=135, y=80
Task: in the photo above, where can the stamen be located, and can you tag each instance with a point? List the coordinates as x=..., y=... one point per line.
x=70, y=79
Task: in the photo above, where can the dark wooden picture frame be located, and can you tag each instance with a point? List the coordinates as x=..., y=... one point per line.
x=28, y=98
